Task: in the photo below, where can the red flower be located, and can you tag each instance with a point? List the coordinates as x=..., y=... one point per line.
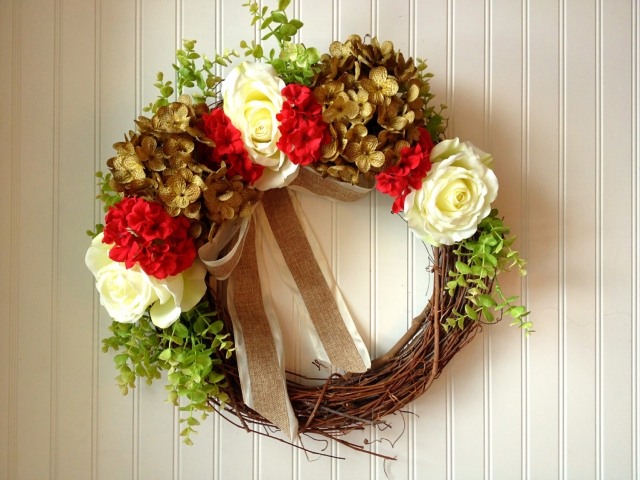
x=408, y=173
x=144, y=233
x=302, y=130
x=230, y=147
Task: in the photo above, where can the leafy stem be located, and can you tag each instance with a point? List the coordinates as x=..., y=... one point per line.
x=480, y=259
x=295, y=63
x=189, y=351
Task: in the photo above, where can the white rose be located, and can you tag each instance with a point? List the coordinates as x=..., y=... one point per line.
x=178, y=293
x=252, y=97
x=455, y=196
x=454, y=146
x=126, y=293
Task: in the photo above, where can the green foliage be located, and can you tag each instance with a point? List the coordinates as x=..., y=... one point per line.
x=165, y=89
x=480, y=259
x=107, y=196
x=295, y=63
x=193, y=70
x=436, y=122
x=189, y=351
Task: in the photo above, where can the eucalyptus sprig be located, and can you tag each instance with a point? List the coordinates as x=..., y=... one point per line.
x=189, y=351
x=436, y=123
x=107, y=196
x=192, y=70
x=294, y=63
x=480, y=259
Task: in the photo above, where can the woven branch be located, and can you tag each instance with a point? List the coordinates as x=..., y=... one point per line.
x=349, y=402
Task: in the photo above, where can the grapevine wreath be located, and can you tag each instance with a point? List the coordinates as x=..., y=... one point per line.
x=204, y=188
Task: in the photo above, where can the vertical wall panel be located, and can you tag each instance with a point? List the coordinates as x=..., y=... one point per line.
x=72, y=442
x=582, y=178
x=549, y=87
x=38, y=126
x=617, y=211
x=545, y=254
x=635, y=136
x=157, y=25
x=117, y=108
x=506, y=109
x=432, y=435
x=467, y=120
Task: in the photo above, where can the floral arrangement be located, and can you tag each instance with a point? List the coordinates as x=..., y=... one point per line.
x=188, y=187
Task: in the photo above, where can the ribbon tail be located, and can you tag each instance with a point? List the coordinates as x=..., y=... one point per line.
x=258, y=343
x=313, y=283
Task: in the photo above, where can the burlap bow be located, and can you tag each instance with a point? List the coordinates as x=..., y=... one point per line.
x=278, y=226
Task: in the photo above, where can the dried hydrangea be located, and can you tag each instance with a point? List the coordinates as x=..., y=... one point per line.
x=374, y=100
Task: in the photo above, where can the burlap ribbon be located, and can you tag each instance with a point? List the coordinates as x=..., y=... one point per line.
x=279, y=228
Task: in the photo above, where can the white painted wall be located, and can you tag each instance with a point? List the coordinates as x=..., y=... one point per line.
x=550, y=87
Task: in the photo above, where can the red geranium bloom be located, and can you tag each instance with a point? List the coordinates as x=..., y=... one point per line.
x=230, y=146
x=408, y=173
x=144, y=233
x=302, y=130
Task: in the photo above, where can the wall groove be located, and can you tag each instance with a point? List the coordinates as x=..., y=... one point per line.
x=635, y=279
x=138, y=75
x=599, y=240
x=14, y=265
x=55, y=247
x=97, y=142
x=524, y=229
x=562, y=260
x=486, y=357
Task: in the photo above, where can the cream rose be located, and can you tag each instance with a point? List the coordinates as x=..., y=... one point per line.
x=455, y=196
x=454, y=146
x=252, y=98
x=126, y=293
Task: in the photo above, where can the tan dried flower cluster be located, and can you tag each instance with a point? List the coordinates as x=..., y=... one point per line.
x=165, y=161
x=374, y=103
x=225, y=199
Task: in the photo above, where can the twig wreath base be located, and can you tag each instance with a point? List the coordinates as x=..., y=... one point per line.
x=348, y=402
x=184, y=184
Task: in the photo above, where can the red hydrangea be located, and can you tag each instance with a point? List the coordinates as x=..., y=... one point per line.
x=144, y=233
x=230, y=147
x=302, y=130
x=408, y=173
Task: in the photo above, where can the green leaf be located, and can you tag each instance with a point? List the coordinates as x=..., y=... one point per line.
x=517, y=312
x=165, y=355
x=296, y=23
x=166, y=91
x=279, y=17
x=486, y=300
x=287, y=31
x=180, y=330
x=121, y=359
x=487, y=314
x=267, y=21
x=463, y=267
x=471, y=313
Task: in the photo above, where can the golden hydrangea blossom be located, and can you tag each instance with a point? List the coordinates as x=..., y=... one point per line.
x=173, y=118
x=364, y=154
x=226, y=199
x=126, y=166
x=159, y=163
x=386, y=98
x=180, y=193
x=380, y=86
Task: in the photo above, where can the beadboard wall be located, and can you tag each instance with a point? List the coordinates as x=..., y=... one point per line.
x=550, y=87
